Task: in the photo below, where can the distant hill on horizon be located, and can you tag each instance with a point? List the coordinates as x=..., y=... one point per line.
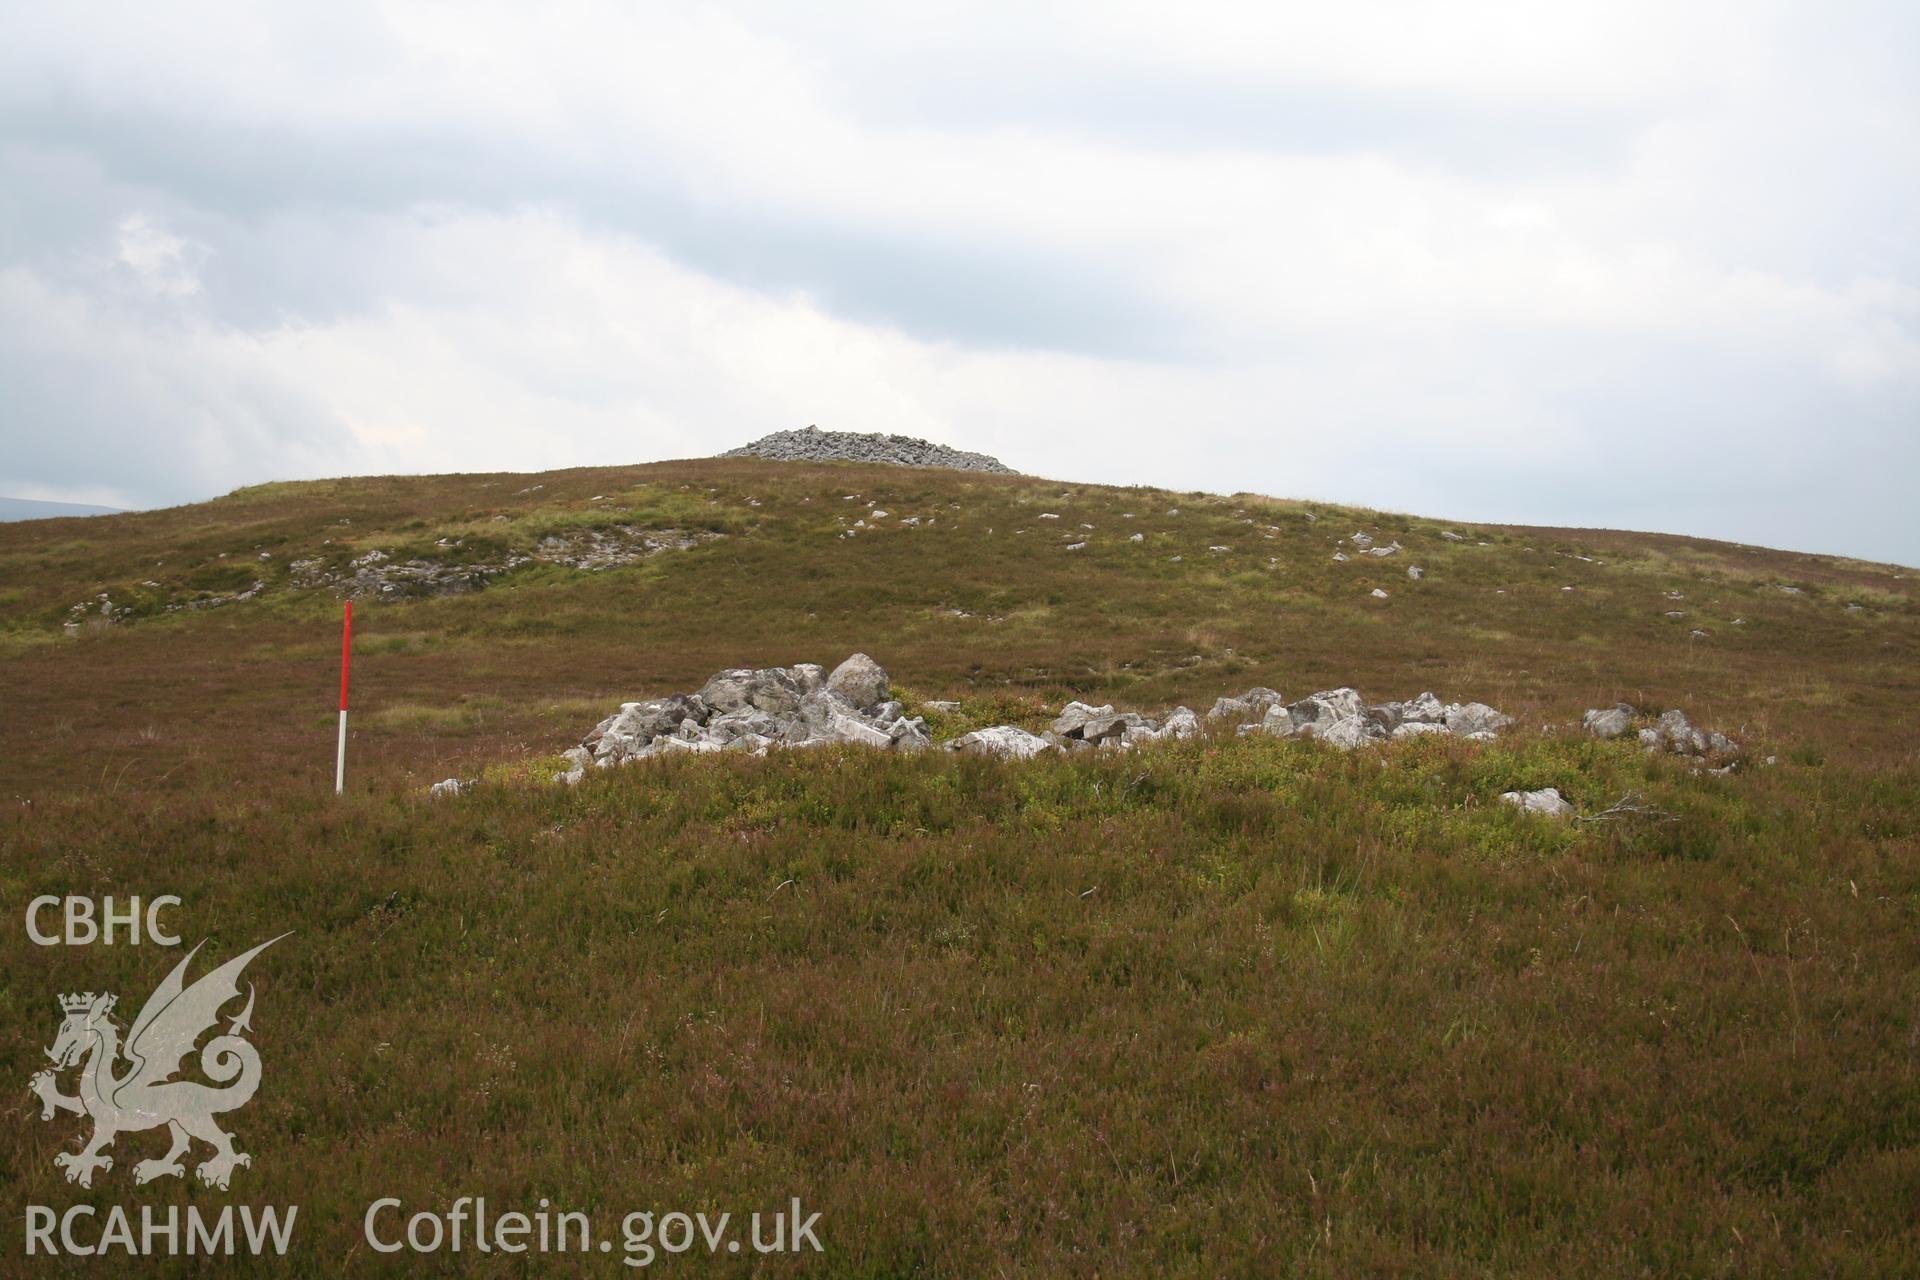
x=34, y=509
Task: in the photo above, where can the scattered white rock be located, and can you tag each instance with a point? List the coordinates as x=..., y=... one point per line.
x=450, y=787
x=1609, y=722
x=1002, y=741
x=1547, y=800
x=1415, y=572
x=753, y=710
x=1378, y=594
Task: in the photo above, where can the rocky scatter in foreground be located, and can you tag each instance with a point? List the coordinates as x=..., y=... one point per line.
x=815, y=445
x=806, y=706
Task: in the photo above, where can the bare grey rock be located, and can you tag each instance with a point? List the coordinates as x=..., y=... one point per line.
x=1074, y=717
x=1425, y=709
x=909, y=733
x=1679, y=735
x=449, y=787
x=1275, y=723
x=1003, y=741
x=769, y=689
x=638, y=723
x=1347, y=732
x=844, y=727
x=1469, y=719
x=1326, y=708
x=1608, y=722
x=860, y=680
x=1547, y=801
x=578, y=759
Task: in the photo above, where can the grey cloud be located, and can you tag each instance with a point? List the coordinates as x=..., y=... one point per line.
x=275, y=206
x=133, y=404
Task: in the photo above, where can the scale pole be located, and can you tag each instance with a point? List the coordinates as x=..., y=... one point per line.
x=346, y=659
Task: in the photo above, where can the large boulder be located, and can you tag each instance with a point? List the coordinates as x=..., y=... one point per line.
x=909, y=733
x=1679, y=735
x=1074, y=717
x=1609, y=722
x=1425, y=709
x=1547, y=801
x=1475, y=719
x=860, y=680
x=818, y=711
x=636, y=724
x=846, y=727
x=1181, y=724
x=1276, y=723
x=1237, y=709
x=1003, y=741
x=769, y=689
x=1325, y=708
x=1112, y=727
x=750, y=722
x=1347, y=732
x=578, y=759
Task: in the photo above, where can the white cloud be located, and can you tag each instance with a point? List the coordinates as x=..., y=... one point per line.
x=163, y=263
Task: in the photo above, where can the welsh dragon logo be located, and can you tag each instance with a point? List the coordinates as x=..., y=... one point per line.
x=145, y=1095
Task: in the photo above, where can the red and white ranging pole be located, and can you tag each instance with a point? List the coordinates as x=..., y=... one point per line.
x=346, y=658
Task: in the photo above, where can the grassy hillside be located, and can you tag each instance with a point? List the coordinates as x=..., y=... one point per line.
x=1241, y=1006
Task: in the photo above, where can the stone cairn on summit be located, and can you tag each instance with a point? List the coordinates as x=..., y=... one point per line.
x=754, y=710
x=815, y=445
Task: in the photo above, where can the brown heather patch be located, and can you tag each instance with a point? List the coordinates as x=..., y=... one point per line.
x=1242, y=1007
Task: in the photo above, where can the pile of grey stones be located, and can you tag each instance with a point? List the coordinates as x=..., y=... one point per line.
x=1671, y=731
x=1342, y=718
x=751, y=710
x=755, y=709
x=815, y=445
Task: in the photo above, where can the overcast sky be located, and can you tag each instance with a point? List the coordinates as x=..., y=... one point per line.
x=1650, y=265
